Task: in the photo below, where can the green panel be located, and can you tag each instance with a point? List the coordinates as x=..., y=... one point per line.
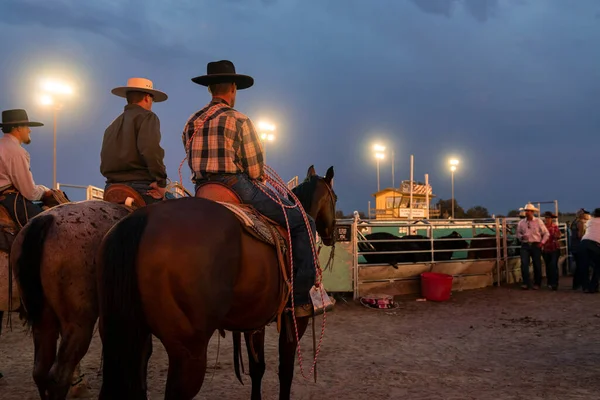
x=466, y=233
x=339, y=278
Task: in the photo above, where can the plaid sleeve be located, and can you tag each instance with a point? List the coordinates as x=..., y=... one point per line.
x=251, y=150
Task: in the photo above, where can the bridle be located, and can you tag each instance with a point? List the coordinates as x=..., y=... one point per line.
x=332, y=201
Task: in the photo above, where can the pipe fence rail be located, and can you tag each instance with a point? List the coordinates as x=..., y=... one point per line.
x=469, y=248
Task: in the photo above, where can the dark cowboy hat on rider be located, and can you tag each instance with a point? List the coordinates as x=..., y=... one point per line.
x=17, y=117
x=223, y=72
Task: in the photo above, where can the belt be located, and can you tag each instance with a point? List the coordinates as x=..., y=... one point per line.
x=212, y=176
x=10, y=189
x=229, y=179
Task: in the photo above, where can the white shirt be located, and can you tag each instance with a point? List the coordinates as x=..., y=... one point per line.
x=592, y=231
x=14, y=169
x=535, y=231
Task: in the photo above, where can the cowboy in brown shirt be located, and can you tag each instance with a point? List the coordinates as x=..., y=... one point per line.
x=131, y=153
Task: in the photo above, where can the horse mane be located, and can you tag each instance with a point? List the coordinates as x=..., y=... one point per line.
x=306, y=190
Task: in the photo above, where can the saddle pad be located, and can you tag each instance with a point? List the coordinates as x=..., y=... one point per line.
x=251, y=219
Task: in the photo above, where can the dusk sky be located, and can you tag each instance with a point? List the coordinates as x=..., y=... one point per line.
x=510, y=87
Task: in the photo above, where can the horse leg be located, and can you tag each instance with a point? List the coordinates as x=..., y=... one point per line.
x=45, y=338
x=1, y=315
x=187, y=367
x=287, y=354
x=147, y=353
x=255, y=343
x=79, y=385
x=73, y=346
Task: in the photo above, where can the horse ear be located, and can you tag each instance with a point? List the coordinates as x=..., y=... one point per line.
x=329, y=175
x=311, y=171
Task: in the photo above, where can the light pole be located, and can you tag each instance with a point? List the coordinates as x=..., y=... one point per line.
x=379, y=155
x=266, y=135
x=453, y=166
x=54, y=92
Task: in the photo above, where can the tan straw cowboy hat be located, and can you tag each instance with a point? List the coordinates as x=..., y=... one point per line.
x=140, y=85
x=530, y=207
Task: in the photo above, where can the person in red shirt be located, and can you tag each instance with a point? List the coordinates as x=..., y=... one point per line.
x=551, y=251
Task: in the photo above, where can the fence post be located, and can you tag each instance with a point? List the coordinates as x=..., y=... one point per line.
x=355, y=255
x=498, y=249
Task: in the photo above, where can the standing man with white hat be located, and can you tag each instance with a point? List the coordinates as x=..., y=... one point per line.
x=131, y=153
x=533, y=235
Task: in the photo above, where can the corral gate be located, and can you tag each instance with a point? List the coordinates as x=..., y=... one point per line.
x=352, y=273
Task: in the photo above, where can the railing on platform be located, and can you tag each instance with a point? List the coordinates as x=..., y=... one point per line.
x=92, y=192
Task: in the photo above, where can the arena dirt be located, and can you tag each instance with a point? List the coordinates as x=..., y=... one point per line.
x=495, y=343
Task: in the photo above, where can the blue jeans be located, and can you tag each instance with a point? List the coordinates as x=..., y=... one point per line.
x=25, y=209
x=142, y=187
x=590, y=257
x=304, y=268
x=529, y=250
x=551, y=261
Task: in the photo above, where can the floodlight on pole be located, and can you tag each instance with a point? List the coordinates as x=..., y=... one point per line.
x=453, y=165
x=379, y=155
x=266, y=135
x=53, y=93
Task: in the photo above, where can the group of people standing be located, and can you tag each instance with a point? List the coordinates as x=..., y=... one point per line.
x=585, y=247
x=541, y=240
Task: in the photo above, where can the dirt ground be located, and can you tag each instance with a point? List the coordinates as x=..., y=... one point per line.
x=494, y=343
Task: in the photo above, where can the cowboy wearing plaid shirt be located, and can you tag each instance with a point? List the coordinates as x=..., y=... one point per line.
x=225, y=147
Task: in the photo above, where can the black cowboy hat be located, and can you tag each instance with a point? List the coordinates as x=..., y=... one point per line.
x=17, y=117
x=549, y=214
x=223, y=72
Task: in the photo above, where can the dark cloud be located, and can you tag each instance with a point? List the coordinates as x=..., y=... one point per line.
x=514, y=99
x=125, y=25
x=481, y=10
x=436, y=7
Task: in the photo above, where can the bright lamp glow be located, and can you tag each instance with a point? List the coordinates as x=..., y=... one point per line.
x=264, y=126
x=453, y=168
x=379, y=156
x=46, y=100
x=267, y=136
x=56, y=87
x=454, y=162
x=379, y=148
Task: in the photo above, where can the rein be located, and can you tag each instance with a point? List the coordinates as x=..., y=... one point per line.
x=280, y=187
x=275, y=180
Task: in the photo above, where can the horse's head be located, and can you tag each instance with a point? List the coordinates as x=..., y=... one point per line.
x=318, y=199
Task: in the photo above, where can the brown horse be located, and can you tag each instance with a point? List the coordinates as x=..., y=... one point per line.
x=54, y=264
x=181, y=270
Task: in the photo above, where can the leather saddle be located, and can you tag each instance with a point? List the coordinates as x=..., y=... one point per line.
x=8, y=230
x=256, y=224
x=119, y=193
x=55, y=198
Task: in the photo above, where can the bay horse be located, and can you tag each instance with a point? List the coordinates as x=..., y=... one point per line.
x=182, y=269
x=54, y=257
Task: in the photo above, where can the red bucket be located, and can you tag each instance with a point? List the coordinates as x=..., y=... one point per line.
x=436, y=286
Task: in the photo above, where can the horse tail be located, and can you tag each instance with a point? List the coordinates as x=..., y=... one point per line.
x=237, y=355
x=122, y=322
x=28, y=267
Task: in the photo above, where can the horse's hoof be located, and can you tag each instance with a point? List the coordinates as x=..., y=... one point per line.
x=79, y=391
